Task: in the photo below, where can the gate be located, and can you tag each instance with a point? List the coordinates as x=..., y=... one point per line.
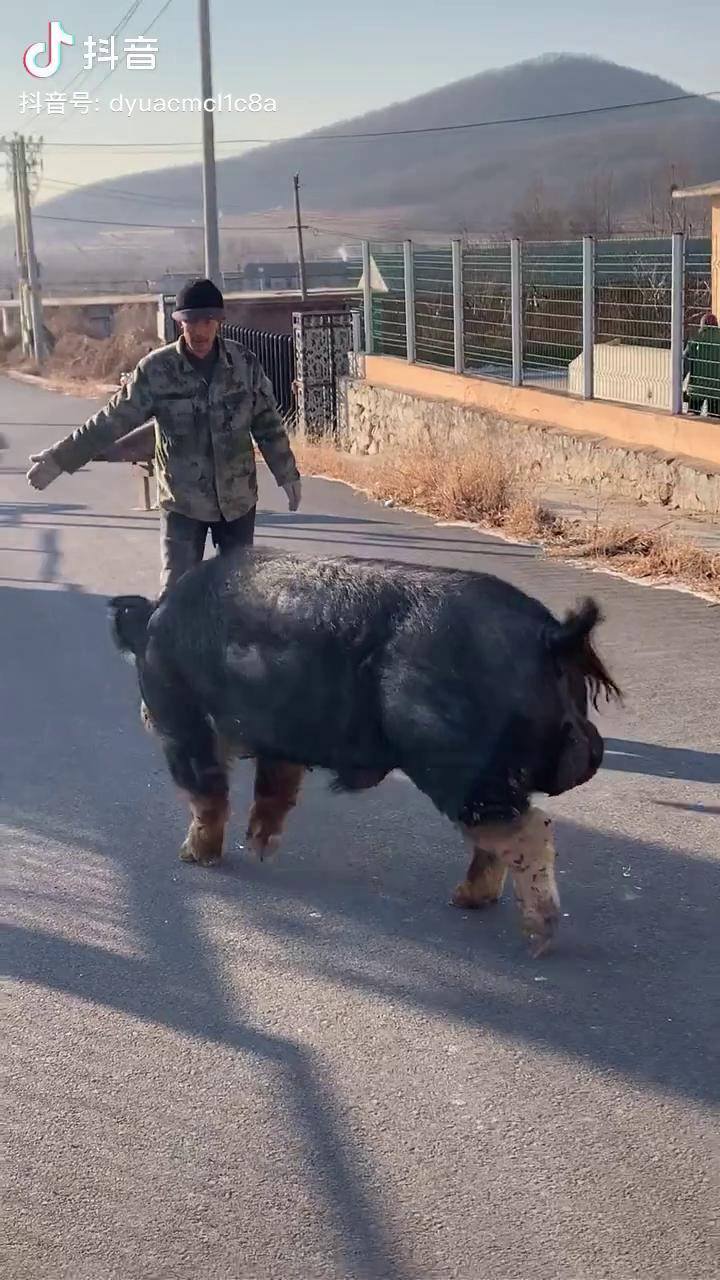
x=323, y=354
x=276, y=354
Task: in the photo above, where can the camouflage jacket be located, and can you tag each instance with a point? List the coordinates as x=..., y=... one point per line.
x=204, y=455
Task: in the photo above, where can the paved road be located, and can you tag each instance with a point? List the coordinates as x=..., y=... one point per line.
x=318, y=1068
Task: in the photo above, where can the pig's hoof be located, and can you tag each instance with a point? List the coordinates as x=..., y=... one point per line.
x=262, y=847
x=193, y=850
x=467, y=896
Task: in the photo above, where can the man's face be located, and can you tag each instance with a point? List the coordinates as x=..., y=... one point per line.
x=200, y=334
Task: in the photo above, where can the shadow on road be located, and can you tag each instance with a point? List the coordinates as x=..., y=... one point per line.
x=709, y=809
x=50, y=562
x=368, y=543
x=661, y=762
x=15, y=513
x=45, y=515
x=65, y=684
x=631, y=991
x=344, y=530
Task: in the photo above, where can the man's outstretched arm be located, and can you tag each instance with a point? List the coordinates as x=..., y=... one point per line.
x=130, y=407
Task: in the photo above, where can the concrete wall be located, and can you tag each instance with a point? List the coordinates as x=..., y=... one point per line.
x=394, y=405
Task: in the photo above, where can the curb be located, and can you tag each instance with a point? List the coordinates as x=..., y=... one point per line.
x=48, y=384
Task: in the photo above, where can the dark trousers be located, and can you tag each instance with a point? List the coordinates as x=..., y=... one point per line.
x=182, y=541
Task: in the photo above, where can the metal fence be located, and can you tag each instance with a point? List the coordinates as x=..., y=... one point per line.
x=702, y=358
x=552, y=310
x=276, y=353
x=486, y=311
x=388, y=307
x=612, y=319
x=433, y=294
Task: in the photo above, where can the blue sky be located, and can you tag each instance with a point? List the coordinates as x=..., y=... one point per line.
x=322, y=61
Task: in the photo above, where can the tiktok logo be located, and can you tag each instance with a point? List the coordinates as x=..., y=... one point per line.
x=52, y=51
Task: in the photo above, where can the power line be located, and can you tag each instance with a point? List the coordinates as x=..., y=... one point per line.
x=156, y=148
x=154, y=226
x=438, y=128
x=146, y=32
x=329, y=225
x=115, y=191
x=159, y=14
x=84, y=71
x=394, y=232
x=138, y=195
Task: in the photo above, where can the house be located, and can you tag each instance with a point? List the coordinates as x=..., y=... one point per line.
x=331, y=274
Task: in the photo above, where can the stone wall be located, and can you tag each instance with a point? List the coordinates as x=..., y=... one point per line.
x=377, y=417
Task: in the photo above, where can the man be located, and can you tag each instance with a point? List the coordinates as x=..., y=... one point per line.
x=702, y=363
x=210, y=400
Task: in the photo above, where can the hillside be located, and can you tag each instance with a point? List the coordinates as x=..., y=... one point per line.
x=476, y=178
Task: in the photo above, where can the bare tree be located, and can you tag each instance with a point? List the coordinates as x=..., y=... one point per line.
x=664, y=215
x=596, y=211
x=535, y=219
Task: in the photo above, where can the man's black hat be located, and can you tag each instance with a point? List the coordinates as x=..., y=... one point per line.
x=199, y=300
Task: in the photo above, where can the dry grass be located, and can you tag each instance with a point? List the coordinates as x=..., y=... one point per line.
x=644, y=553
x=79, y=357
x=10, y=351
x=69, y=320
x=483, y=485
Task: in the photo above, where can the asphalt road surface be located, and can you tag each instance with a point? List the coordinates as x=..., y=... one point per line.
x=318, y=1068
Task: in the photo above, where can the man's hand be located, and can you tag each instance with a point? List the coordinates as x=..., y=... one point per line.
x=44, y=471
x=294, y=493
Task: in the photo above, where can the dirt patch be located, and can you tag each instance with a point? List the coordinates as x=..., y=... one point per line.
x=487, y=488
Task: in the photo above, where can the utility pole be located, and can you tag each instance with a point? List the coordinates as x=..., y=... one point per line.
x=20, y=253
x=298, y=226
x=29, y=295
x=210, y=207
x=33, y=276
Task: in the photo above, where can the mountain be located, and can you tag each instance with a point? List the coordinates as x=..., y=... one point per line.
x=475, y=179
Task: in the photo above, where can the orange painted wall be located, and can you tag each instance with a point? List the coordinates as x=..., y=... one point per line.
x=692, y=437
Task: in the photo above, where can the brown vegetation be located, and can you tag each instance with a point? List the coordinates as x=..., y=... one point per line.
x=488, y=488
x=645, y=553
x=77, y=356
x=81, y=358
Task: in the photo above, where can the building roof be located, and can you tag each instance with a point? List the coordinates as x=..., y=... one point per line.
x=325, y=267
x=707, y=189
